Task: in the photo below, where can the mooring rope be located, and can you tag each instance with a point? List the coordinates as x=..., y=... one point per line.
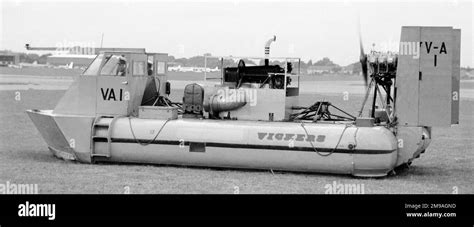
x=334, y=149
x=149, y=142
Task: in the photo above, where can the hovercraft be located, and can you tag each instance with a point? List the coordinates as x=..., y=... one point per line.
x=119, y=110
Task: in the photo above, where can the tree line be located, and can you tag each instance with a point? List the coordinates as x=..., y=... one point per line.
x=210, y=62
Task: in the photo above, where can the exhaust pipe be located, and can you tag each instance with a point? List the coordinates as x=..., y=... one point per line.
x=267, y=49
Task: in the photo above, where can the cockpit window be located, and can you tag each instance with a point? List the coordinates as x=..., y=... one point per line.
x=161, y=67
x=138, y=68
x=115, y=65
x=94, y=66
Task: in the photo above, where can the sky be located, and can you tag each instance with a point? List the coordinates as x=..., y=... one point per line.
x=306, y=29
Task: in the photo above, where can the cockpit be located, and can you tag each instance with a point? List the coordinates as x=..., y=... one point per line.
x=112, y=65
x=122, y=64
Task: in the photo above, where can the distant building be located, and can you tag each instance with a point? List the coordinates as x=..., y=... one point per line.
x=320, y=69
x=66, y=59
x=180, y=68
x=348, y=69
x=9, y=58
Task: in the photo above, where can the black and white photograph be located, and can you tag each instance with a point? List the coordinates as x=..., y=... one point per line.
x=357, y=98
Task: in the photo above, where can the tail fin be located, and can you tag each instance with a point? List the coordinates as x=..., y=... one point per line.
x=427, y=81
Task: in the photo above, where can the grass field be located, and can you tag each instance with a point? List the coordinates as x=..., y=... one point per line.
x=24, y=158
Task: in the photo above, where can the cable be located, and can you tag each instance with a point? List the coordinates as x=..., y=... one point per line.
x=157, y=89
x=166, y=102
x=159, y=85
x=334, y=149
x=148, y=143
x=317, y=113
x=263, y=83
x=154, y=97
x=313, y=113
x=335, y=107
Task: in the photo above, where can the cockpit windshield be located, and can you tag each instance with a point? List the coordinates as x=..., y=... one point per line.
x=113, y=65
x=94, y=66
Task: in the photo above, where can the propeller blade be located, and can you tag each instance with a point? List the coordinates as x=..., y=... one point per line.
x=363, y=58
x=363, y=62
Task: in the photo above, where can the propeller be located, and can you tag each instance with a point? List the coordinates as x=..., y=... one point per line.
x=363, y=60
x=363, y=56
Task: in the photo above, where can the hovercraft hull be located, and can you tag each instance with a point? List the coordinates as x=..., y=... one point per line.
x=288, y=146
